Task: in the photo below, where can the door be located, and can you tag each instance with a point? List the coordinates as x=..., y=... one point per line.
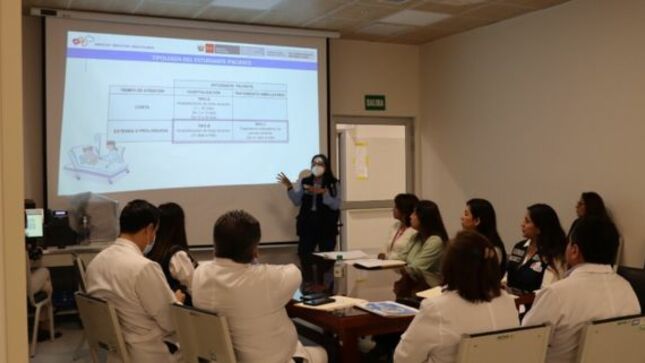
x=374, y=160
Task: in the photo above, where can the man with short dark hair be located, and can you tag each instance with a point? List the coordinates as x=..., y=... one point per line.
x=251, y=296
x=591, y=290
x=136, y=286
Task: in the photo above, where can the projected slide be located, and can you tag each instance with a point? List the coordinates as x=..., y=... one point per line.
x=143, y=113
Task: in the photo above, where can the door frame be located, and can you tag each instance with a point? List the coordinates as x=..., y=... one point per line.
x=408, y=122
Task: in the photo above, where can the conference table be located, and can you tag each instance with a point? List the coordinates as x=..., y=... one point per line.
x=343, y=328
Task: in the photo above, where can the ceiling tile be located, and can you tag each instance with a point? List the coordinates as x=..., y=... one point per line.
x=298, y=12
x=537, y=4
x=498, y=11
x=397, y=4
x=421, y=36
x=448, y=8
x=229, y=14
x=168, y=9
x=115, y=6
x=55, y=4
x=337, y=24
x=385, y=30
x=364, y=12
x=414, y=17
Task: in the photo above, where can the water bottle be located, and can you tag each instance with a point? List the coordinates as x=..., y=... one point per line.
x=340, y=282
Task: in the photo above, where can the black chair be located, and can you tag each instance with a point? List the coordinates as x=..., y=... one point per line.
x=636, y=278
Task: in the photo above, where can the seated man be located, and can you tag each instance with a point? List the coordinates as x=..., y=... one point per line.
x=251, y=296
x=136, y=286
x=591, y=290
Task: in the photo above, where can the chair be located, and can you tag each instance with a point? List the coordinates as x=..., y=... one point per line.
x=636, y=278
x=505, y=346
x=203, y=336
x=38, y=300
x=613, y=340
x=79, y=272
x=101, y=326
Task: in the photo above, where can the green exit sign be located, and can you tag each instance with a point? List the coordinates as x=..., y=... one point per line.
x=375, y=102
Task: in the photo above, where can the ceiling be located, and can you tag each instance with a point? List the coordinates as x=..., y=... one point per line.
x=396, y=21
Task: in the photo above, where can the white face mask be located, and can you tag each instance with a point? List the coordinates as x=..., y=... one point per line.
x=318, y=170
x=150, y=245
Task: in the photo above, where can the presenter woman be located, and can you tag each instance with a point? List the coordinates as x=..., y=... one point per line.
x=318, y=197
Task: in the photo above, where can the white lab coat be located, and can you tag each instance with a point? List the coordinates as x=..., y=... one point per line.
x=182, y=269
x=434, y=334
x=253, y=299
x=394, y=248
x=590, y=292
x=137, y=288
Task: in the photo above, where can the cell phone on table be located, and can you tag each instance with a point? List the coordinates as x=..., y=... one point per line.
x=320, y=301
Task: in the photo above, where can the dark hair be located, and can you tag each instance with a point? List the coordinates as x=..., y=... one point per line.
x=470, y=267
x=171, y=232
x=235, y=236
x=484, y=211
x=597, y=239
x=430, y=222
x=551, y=241
x=328, y=179
x=137, y=215
x=594, y=205
x=405, y=203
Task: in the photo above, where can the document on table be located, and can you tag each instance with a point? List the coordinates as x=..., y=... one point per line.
x=340, y=302
x=435, y=291
x=347, y=255
x=375, y=264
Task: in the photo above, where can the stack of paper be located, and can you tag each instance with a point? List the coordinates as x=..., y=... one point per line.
x=341, y=302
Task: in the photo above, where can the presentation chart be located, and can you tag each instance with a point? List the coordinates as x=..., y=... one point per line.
x=198, y=111
x=148, y=113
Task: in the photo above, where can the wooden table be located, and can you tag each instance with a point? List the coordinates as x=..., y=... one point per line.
x=348, y=325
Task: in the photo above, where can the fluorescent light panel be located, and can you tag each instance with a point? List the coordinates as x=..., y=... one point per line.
x=414, y=17
x=246, y=4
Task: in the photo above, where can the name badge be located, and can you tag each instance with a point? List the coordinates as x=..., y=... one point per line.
x=537, y=267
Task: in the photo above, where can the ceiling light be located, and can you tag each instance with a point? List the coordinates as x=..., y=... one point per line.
x=414, y=17
x=246, y=4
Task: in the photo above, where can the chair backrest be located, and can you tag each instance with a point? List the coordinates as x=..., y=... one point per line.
x=613, y=340
x=505, y=346
x=636, y=278
x=79, y=266
x=203, y=336
x=101, y=325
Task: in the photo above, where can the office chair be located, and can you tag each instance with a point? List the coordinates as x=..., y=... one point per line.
x=636, y=278
x=613, y=340
x=203, y=336
x=505, y=346
x=101, y=325
x=38, y=300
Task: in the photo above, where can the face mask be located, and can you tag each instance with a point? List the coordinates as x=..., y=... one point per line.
x=318, y=170
x=149, y=246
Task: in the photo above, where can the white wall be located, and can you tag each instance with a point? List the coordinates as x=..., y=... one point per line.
x=539, y=109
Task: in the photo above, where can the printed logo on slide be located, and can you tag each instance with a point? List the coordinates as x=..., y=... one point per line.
x=207, y=48
x=83, y=41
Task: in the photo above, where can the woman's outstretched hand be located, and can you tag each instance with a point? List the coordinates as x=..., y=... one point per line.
x=284, y=180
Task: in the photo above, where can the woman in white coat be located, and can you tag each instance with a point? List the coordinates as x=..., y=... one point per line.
x=402, y=230
x=472, y=302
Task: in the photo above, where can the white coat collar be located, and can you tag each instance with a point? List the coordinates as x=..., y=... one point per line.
x=128, y=244
x=590, y=268
x=227, y=262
